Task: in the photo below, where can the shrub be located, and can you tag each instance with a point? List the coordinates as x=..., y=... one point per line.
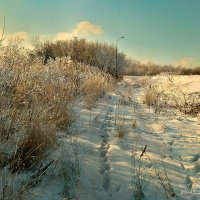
x=120, y=132
x=168, y=94
x=36, y=99
x=99, y=55
x=94, y=87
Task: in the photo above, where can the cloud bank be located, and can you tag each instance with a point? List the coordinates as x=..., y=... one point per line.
x=83, y=28
x=184, y=62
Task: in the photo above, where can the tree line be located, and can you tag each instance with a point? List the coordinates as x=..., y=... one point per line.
x=103, y=56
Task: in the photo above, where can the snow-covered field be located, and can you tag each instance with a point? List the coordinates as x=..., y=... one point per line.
x=189, y=84
x=111, y=165
x=125, y=152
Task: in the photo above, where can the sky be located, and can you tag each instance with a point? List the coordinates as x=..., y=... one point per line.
x=161, y=31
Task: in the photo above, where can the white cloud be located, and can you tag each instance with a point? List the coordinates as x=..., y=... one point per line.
x=87, y=27
x=21, y=35
x=1, y=33
x=24, y=36
x=65, y=35
x=145, y=62
x=184, y=62
x=83, y=28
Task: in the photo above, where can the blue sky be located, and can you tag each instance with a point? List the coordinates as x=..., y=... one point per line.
x=162, y=31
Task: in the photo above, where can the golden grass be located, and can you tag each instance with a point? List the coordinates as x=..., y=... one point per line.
x=198, y=118
x=151, y=96
x=36, y=99
x=120, y=132
x=134, y=124
x=94, y=87
x=162, y=95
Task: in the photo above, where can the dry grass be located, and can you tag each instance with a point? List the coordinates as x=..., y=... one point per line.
x=95, y=86
x=120, y=132
x=36, y=100
x=169, y=94
x=144, y=81
x=198, y=118
x=162, y=178
x=134, y=124
x=33, y=106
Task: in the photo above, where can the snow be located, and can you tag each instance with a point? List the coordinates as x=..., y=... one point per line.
x=189, y=84
x=108, y=172
x=110, y=166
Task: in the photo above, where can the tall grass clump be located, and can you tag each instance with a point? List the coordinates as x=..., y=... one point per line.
x=95, y=86
x=36, y=99
x=34, y=102
x=168, y=94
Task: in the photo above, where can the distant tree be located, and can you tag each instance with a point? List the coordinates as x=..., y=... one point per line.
x=96, y=54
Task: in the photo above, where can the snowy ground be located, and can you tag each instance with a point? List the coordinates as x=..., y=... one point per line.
x=111, y=164
x=108, y=167
x=106, y=144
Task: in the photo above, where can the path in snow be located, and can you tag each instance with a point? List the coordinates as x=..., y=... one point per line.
x=107, y=169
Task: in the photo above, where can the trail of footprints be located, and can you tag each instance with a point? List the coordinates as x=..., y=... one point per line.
x=104, y=157
x=190, y=163
x=114, y=115
x=105, y=163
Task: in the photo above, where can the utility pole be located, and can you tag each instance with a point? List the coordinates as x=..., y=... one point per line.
x=116, y=58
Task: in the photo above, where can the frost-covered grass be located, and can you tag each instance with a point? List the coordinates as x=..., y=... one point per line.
x=180, y=92
x=36, y=101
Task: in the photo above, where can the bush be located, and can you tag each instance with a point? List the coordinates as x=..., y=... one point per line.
x=168, y=94
x=94, y=87
x=99, y=55
x=36, y=99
